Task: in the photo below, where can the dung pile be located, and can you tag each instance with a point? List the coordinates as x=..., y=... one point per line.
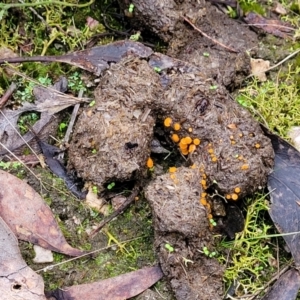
x=180, y=222
x=111, y=140
x=225, y=148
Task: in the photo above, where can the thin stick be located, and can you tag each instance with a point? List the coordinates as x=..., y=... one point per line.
x=117, y=212
x=7, y=94
x=86, y=254
x=210, y=38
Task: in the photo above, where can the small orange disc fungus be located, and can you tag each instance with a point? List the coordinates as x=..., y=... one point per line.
x=214, y=159
x=192, y=148
x=172, y=169
x=228, y=197
x=196, y=141
x=190, y=129
x=184, y=151
x=203, y=201
x=237, y=190
x=257, y=145
x=210, y=150
x=176, y=126
x=234, y=196
x=168, y=122
x=188, y=140
x=245, y=167
x=150, y=163
x=210, y=216
x=175, y=138
x=183, y=141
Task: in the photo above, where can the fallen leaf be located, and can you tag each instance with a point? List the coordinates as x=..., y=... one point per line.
x=294, y=135
x=259, y=67
x=121, y=287
x=275, y=27
x=17, y=280
x=48, y=101
x=284, y=187
x=95, y=59
x=286, y=287
x=29, y=217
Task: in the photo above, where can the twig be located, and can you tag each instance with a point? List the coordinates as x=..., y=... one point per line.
x=282, y=61
x=7, y=94
x=83, y=255
x=117, y=212
x=210, y=38
x=71, y=123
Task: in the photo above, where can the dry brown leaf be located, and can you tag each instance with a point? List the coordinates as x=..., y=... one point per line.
x=17, y=280
x=121, y=287
x=29, y=217
x=259, y=67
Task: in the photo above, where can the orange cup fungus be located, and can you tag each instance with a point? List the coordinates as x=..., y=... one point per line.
x=168, y=122
x=257, y=146
x=172, y=169
x=150, y=163
x=237, y=190
x=192, y=148
x=214, y=159
x=175, y=138
x=234, y=196
x=176, y=126
x=196, y=141
x=245, y=167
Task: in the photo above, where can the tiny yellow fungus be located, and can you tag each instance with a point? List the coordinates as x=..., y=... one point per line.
x=203, y=201
x=192, y=148
x=257, y=145
x=233, y=142
x=228, y=196
x=231, y=137
x=240, y=157
x=251, y=134
x=168, y=122
x=203, y=176
x=172, y=169
x=183, y=146
x=150, y=163
x=184, y=151
x=136, y=198
x=173, y=176
x=203, y=195
x=240, y=135
x=209, y=145
x=210, y=150
x=176, y=126
x=208, y=207
x=188, y=140
x=183, y=141
x=245, y=167
x=214, y=159
x=190, y=129
x=203, y=182
x=196, y=141
x=234, y=196
x=175, y=138
x=237, y=190
x=193, y=166
x=210, y=216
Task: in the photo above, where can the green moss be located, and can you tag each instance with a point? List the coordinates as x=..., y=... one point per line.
x=275, y=104
x=252, y=6
x=252, y=259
